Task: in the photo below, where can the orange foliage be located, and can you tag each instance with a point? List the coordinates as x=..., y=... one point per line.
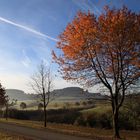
x=90, y=45
x=102, y=50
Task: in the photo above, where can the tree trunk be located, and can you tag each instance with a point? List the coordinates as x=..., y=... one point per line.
x=45, y=115
x=6, y=112
x=115, y=123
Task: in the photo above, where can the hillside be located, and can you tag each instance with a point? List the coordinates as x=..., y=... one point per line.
x=75, y=93
x=66, y=94
x=19, y=95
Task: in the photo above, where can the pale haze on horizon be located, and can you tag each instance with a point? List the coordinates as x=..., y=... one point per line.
x=29, y=31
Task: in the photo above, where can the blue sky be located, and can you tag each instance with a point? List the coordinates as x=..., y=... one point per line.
x=29, y=31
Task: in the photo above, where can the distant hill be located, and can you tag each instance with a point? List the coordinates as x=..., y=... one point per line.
x=19, y=95
x=65, y=94
x=75, y=93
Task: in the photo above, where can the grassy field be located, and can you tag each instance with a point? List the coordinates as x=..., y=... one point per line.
x=98, y=109
x=100, y=134
x=33, y=105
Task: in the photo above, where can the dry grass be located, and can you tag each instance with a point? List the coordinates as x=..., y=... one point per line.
x=9, y=136
x=98, y=134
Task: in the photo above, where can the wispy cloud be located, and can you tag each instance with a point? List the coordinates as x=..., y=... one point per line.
x=87, y=5
x=93, y=6
x=27, y=29
x=26, y=60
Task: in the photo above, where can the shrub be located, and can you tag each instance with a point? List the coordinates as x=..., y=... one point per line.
x=63, y=116
x=81, y=120
x=90, y=102
x=77, y=103
x=66, y=105
x=95, y=120
x=84, y=103
x=40, y=106
x=55, y=105
x=23, y=105
x=125, y=122
x=73, y=116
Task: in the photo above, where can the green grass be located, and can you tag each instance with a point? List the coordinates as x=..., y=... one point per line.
x=98, y=109
x=33, y=105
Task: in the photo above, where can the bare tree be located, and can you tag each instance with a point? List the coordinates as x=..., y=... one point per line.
x=41, y=83
x=9, y=103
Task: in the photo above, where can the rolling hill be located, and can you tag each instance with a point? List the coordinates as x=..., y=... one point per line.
x=65, y=94
x=19, y=95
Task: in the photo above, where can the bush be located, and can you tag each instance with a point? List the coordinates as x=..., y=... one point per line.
x=23, y=105
x=81, y=120
x=40, y=106
x=17, y=114
x=67, y=116
x=84, y=103
x=100, y=120
x=77, y=104
x=125, y=122
x=73, y=116
x=90, y=102
x=95, y=120
x=25, y=115
x=66, y=105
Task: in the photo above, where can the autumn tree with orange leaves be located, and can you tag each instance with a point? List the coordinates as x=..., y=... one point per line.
x=104, y=49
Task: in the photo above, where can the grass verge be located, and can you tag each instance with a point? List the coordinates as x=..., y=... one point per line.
x=8, y=136
x=98, y=134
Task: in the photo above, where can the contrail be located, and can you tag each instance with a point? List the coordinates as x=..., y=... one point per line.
x=27, y=29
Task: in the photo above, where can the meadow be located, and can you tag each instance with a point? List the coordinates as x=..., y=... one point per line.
x=84, y=118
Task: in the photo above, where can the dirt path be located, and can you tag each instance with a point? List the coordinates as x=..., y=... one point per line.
x=37, y=134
